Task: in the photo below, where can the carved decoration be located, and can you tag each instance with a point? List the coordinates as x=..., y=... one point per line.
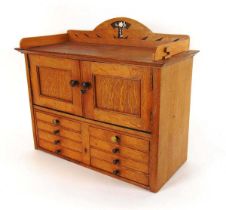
x=120, y=26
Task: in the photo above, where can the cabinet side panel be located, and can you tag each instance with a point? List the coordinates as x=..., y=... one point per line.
x=30, y=98
x=175, y=89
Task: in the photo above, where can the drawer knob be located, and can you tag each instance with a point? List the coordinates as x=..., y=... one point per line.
x=58, y=151
x=56, y=122
x=115, y=150
x=82, y=91
x=115, y=139
x=56, y=142
x=73, y=83
x=116, y=161
x=116, y=172
x=56, y=132
x=86, y=84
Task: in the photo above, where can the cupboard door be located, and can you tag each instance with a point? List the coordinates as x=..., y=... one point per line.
x=117, y=93
x=54, y=83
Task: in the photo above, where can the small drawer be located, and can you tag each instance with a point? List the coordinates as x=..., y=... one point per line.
x=138, y=177
x=48, y=146
x=121, y=139
x=57, y=140
x=119, y=150
x=58, y=131
x=57, y=120
x=119, y=161
x=59, y=150
x=71, y=154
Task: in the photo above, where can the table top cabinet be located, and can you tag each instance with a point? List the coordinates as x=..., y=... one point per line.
x=115, y=99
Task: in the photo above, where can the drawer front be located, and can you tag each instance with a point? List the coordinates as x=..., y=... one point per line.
x=120, y=150
x=59, y=131
x=61, y=151
x=58, y=120
x=118, y=138
x=57, y=140
x=119, y=161
x=120, y=171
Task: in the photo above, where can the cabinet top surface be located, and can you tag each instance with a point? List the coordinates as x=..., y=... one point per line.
x=114, y=52
x=118, y=39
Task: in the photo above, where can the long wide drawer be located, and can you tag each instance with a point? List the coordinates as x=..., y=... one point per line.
x=121, y=171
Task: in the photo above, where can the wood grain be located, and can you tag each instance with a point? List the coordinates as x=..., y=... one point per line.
x=125, y=72
x=123, y=151
x=125, y=162
x=175, y=90
x=55, y=83
x=74, y=155
x=62, y=132
x=49, y=80
x=124, y=172
x=43, y=40
x=123, y=139
x=33, y=120
x=125, y=94
x=120, y=130
x=63, y=122
x=64, y=142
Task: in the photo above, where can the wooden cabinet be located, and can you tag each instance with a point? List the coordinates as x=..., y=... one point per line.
x=115, y=99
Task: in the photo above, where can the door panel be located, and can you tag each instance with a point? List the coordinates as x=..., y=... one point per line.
x=119, y=94
x=126, y=99
x=50, y=79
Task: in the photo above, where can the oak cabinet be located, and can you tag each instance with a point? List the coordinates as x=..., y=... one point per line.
x=115, y=99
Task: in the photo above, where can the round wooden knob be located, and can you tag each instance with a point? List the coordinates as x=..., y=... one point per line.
x=56, y=132
x=116, y=161
x=56, y=142
x=86, y=84
x=115, y=150
x=82, y=91
x=73, y=83
x=56, y=122
x=58, y=151
x=116, y=172
x=115, y=139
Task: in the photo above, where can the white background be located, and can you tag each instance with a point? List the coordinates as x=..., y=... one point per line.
x=31, y=179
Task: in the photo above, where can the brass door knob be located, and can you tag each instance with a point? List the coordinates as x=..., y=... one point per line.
x=56, y=132
x=56, y=142
x=116, y=161
x=116, y=172
x=55, y=122
x=115, y=139
x=115, y=150
x=58, y=151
